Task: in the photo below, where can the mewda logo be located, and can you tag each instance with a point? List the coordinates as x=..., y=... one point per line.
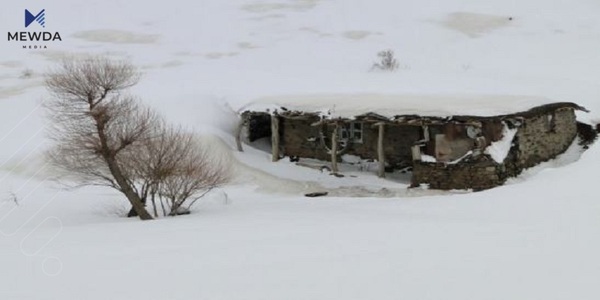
x=34, y=39
x=40, y=18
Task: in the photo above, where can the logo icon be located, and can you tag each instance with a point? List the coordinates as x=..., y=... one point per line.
x=40, y=18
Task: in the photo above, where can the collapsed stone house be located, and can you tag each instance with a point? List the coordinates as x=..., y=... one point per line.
x=448, y=142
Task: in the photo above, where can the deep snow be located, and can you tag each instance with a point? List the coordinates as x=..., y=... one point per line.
x=352, y=105
x=258, y=238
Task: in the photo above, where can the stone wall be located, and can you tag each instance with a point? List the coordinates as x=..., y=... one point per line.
x=476, y=175
x=541, y=135
x=538, y=139
x=397, y=143
x=545, y=136
x=301, y=139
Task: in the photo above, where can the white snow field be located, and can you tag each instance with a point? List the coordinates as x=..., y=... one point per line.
x=538, y=237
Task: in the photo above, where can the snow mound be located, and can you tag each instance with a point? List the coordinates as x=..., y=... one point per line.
x=475, y=25
x=348, y=106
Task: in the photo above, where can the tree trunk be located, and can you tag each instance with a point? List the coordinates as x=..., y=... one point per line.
x=175, y=207
x=115, y=170
x=136, y=203
x=162, y=205
x=154, y=205
x=132, y=213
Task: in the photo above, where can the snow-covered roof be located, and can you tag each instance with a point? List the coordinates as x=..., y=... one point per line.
x=348, y=106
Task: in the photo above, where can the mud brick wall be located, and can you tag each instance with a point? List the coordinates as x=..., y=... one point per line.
x=478, y=175
x=301, y=139
x=397, y=143
x=543, y=137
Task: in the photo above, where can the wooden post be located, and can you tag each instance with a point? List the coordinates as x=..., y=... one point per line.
x=334, y=149
x=238, y=135
x=275, y=137
x=380, y=154
x=416, y=152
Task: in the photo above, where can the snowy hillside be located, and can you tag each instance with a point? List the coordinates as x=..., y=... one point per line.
x=258, y=238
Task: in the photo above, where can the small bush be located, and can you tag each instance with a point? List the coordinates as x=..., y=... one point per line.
x=387, y=61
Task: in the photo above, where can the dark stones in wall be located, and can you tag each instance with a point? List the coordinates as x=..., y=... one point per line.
x=303, y=140
x=476, y=175
x=540, y=138
x=542, y=135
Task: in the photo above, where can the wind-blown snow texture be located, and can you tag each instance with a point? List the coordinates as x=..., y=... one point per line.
x=258, y=238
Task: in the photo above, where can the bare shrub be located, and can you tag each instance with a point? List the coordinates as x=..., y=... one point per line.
x=387, y=61
x=175, y=169
x=197, y=172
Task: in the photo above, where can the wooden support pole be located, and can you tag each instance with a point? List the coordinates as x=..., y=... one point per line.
x=426, y=133
x=334, y=149
x=380, y=153
x=238, y=134
x=275, y=137
x=416, y=152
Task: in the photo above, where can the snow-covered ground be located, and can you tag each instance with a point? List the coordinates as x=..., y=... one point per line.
x=258, y=238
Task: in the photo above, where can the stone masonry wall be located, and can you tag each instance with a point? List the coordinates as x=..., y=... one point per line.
x=476, y=175
x=544, y=137
x=538, y=139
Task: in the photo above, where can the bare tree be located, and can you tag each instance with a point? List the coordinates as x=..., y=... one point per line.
x=95, y=127
x=179, y=170
x=105, y=138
